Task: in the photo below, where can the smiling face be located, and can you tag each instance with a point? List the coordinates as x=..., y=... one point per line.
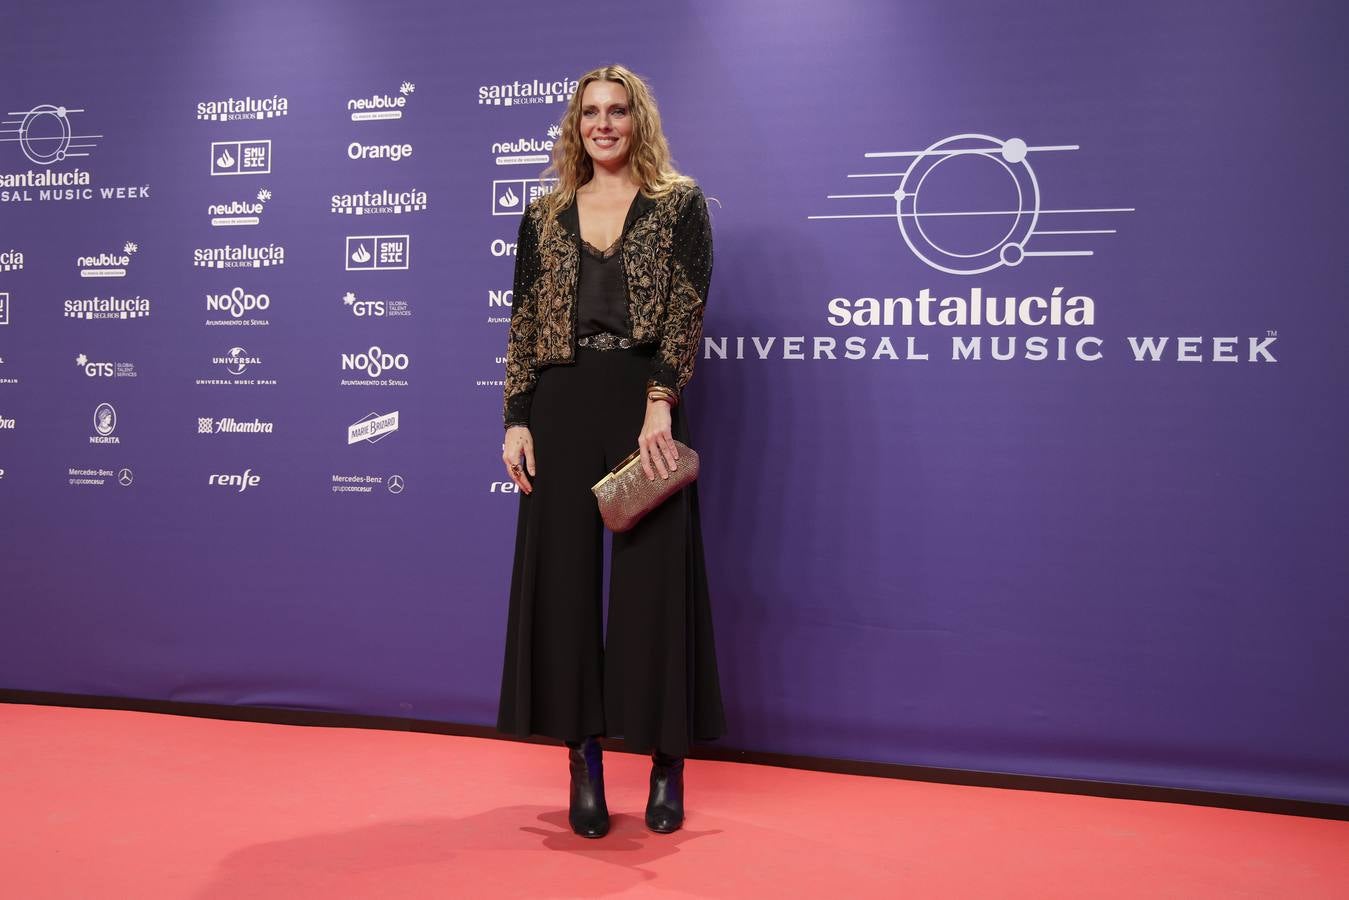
x=606, y=123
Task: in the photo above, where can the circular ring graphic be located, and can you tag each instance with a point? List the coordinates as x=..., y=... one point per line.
x=1008, y=250
x=41, y=157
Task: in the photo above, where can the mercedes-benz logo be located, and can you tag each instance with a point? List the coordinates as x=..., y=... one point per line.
x=395, y=484
x=124, y=478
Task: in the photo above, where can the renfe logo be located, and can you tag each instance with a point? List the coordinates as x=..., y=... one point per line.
x=242, y=482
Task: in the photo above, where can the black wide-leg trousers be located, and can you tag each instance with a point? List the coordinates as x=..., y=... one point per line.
x=652, y=679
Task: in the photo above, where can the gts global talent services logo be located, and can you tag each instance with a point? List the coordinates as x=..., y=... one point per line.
x=93, y=369
x=366, y=308
x=379, y=203
x=106, y=264
x=11, y=261
x=233, y=109
x=379, y=107
x=239, y=212
x=526, y=93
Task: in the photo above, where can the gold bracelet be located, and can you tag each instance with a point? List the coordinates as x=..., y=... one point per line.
x=661, y=392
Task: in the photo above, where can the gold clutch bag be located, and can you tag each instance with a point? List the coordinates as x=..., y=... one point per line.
x=625, y=494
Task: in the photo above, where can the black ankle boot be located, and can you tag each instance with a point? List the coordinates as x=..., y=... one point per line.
x=665, y=805
x=589, y=815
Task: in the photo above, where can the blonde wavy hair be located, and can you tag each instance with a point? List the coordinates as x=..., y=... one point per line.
x=649, y=159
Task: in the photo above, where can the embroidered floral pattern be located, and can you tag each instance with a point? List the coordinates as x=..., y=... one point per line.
x=667, y=260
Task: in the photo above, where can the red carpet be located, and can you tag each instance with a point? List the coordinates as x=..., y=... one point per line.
x=132, y=805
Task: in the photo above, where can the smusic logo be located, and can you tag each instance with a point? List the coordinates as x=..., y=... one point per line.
x=241, y=157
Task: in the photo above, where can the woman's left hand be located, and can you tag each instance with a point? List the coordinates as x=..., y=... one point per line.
x=656, y=444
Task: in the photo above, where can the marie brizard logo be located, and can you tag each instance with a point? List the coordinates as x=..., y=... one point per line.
x=970, y=203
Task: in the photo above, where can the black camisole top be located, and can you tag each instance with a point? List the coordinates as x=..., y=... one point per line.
x=602, y=294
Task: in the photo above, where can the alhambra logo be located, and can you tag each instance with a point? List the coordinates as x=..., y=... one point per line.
x=971, y=203
x=233, y=109
x=381, y=202
x=380, y=107
x=106, y=264
x=526, y=93
x=239, y=212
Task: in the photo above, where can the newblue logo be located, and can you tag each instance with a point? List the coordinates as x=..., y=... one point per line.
x=380, y=107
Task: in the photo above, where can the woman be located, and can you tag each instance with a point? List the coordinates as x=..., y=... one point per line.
x=611, y=275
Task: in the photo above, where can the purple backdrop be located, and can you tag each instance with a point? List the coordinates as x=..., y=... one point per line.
x=1092, y=566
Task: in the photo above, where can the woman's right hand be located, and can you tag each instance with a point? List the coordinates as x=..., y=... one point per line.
x=517, y=449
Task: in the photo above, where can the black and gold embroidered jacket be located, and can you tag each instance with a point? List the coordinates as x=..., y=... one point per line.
x=667, y=260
